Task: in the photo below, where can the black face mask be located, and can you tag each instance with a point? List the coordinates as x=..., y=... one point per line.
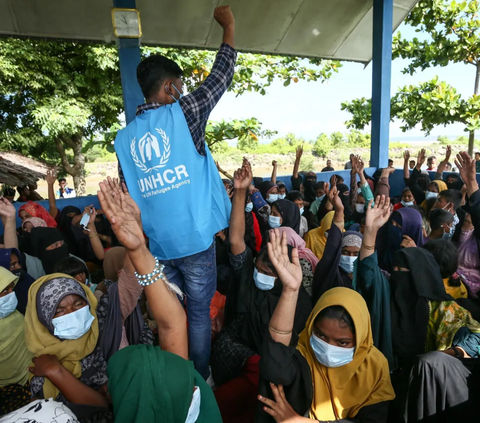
x=50, y=258
x=19, y=273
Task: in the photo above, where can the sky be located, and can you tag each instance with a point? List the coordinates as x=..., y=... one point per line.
x=310, y=108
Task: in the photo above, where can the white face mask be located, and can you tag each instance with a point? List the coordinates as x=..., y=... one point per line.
x=272, y=198
x=194, y=410
x=249, y=207
x=360, y=208
x=347, y=263
x=330, y=355
x=321, y=197
x=302, y=210
x=407, y=203
x=274, y=221
x=430, y=194
x=8, y=304
x=263, y=281
x=282, y=196
x=73, y=325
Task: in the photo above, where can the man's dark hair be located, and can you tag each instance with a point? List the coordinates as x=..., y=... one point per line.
x=62, y=180
x=319, y=185
x=9, y=192
x=153, y=71
x=446, y=256
x=453, y=196
x=438, y=217
x=70, y=266
x=390, y=161
x=295, y=195
x=21, y=188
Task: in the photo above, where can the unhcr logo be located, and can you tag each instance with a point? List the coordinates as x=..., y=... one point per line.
x=151, y=157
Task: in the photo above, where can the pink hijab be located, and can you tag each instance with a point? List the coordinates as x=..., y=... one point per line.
x=295, y=241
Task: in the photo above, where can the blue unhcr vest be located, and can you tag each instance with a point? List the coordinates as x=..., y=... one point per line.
x=180, y=193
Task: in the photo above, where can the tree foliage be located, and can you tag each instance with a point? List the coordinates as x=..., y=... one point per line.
x=453, y=37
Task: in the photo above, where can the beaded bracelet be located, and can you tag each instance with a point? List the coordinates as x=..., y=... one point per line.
x=153, y=280
x=151, y=277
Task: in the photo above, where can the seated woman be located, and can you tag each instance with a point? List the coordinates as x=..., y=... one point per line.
x=33, y=222
x=14, y=355
x=411, y=313
x=408, y=200
x=308, y=260
x=332, y=371
x=284, y=213
x=154, y=384
x=73, y=337
x=336, y=268
x=316, y=239
x=32, y=209
x=48, y=245
x=251, y=301
x=298, y=198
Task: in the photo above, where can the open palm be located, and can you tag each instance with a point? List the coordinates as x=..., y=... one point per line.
x=379, y=214
x=243, y=176
x=290, y=273
x=124, y=224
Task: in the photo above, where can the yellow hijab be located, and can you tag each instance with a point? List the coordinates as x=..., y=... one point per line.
x=442, y=186
x=40, y=341
x=14, y=355
x=340, y=392
x=316, y=239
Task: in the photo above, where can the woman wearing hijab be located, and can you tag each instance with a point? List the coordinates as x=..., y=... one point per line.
x=32, y=209
x=250, y=302
x=11, y=259
x=411, y=313
x=269, y=191
x=332, y=371
x=336, y=268
x=14, y=355
x=316, y=239
x=48, y=245
x=33, y=222
x=308, y=260
x=285, y=213
x=406, y=222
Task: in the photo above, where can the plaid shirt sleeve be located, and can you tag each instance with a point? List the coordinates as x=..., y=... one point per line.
x=198, y=105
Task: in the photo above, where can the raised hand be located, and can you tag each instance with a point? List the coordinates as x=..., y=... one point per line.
x=406, y=156
x=466, y=167
x=7, y=210
x=119, y=214
x=280, y=409
x=422, y=156
x=448, y=153
x=243, y=177
x=299, y=152
x=115, y=190
x=224, y=16
x=333, y=181
x=359, y=165
x=290, y=273
x=335, y=200
x=379, y=214
x=407, y=242
x=51, y=176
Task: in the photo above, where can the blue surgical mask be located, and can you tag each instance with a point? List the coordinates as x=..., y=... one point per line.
x=282, y=196
x=180, y=95
x=194, y=410
x=274, y=221
x=272, y=198
x=330, y=355
x=407, y=203
x=347, y=263
x=249, y=207
x=302, y=210
x=430, y=194
x=263, y=281
x=321, y=197
x=73, y=325
x=447, y=236
x=456, y=221
x=8, y=304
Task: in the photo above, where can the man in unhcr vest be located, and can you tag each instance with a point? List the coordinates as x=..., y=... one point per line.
x=171, y=175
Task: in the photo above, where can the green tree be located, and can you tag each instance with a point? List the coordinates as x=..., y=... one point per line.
x=58, y=99
x=323, y=145
x=453, y=37
x=337, y=138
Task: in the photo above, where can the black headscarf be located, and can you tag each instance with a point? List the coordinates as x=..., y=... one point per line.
x=40, y=239
x=264, y=187
x=347, y=209
x=290, y=214
x=309, y=184
x=458, y=184
x=410, y=293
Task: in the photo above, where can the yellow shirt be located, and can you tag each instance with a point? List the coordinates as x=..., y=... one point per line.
x=455, y=291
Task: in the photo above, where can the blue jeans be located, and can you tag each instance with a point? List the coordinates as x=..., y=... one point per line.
x=196, y=276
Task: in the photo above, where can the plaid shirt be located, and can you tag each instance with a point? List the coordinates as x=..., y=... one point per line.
x=198, y=105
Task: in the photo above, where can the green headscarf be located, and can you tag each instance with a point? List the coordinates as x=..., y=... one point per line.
x=150, y=385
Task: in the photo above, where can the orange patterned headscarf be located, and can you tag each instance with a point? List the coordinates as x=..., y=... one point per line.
x=36, y=210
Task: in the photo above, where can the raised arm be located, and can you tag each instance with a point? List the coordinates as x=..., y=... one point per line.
x=92, y=233
x=9, y=220
x=443, y=163
x=298, y=157
x=241, y=183
x=466, y=168
x=406, y=165
x=366, y=191
x=166, y=309
x=51, y=178
x=417, y=192
x=353, y=183
x=274, y=172
x=383, y=186
x=290, y=273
